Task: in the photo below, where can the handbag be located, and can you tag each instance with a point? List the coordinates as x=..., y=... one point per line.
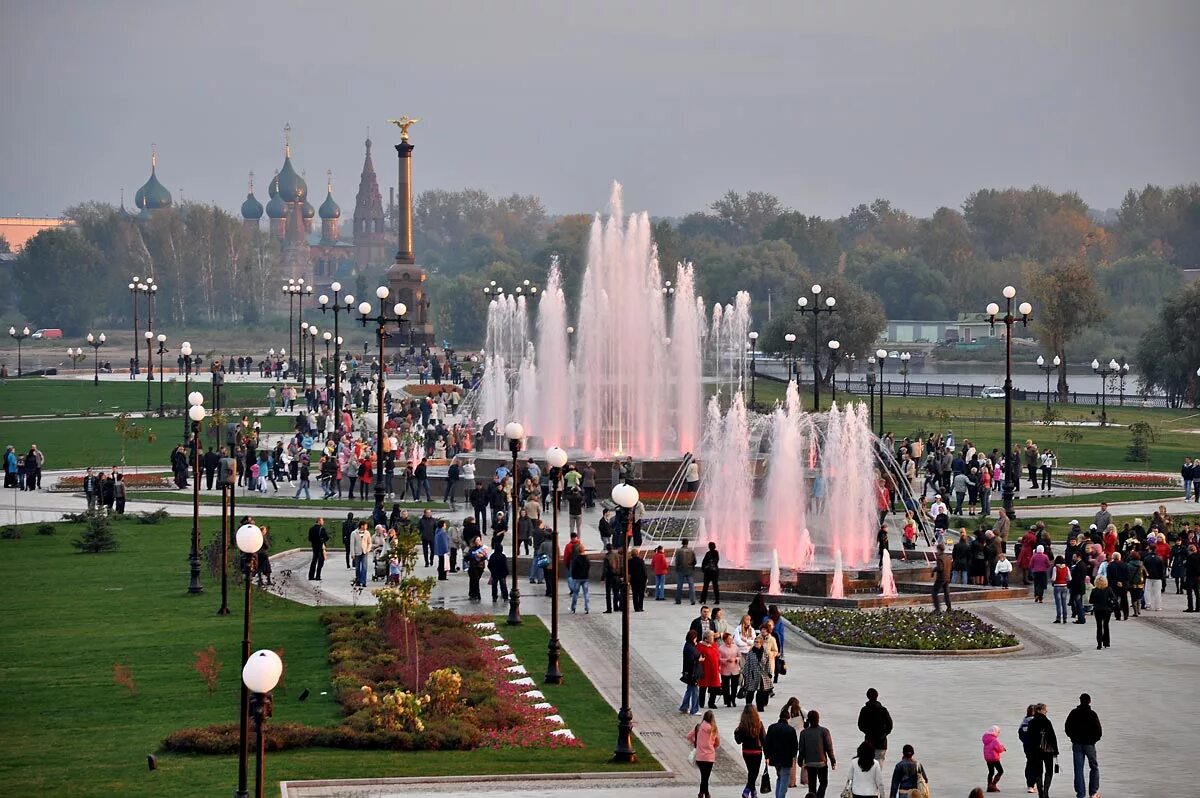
x=846, y=791
x=695, y=742
x=765, y=786
x=780, y=666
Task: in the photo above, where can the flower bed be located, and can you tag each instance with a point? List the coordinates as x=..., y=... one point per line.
x=1101, y=480
x=458, y=694
x=913, y=629
x=429, y=389
x=132, y=482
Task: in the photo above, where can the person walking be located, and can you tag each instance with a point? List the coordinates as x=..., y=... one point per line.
x=1103, y=601
x=658, y=564
x=360, y=550
x=441, y=549
x=118, y=492
x=317, y=538
x=1039, y=567
x=756, y=675
x=348, y=527
x=909, y=774
x=992, y=749
x=1191, y=578
x=579, y=569
x=940, y=587
x=427, y=527
x=1156, y=574
x=1061, y=577
x=91, y=489
x=875, y=722
x=780, y=747
x=1084, y=730
x=637, y=580
x=1077, y=586
x=710, y=567
x=302, y=479
x=1041, y=749
x=1118, y=581
x=685, y=565
x=498, y=574
x=866, y=776
x=751, y=735
x=815, y=753
x=706, y=740
x=690, y=675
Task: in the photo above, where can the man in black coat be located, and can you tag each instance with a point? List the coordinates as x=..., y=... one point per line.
x=479, y=503
x=317, y=538
x=1077, y=585
x=1083, y=727
x=210, y=462
x=637, y=580
x=428, y=528
x=348, y=527
x=781, y=747
x=875, y=722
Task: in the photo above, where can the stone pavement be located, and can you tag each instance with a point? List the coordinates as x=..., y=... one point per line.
x=941, y=705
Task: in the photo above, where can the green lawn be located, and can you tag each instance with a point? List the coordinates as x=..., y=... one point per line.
x=982, y=420
x=1064, y=497
x=254, y=500
x=78, y=443
x=71, y=731
x=42, y=396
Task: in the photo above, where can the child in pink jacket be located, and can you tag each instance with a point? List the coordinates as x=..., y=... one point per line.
x=992, y=749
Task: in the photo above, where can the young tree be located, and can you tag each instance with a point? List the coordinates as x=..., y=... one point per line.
x=1066, y=300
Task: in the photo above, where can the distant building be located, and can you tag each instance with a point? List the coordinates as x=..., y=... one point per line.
x=19, y=229
x=967, y=328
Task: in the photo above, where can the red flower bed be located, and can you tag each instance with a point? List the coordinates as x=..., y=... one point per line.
x=429, y=389
x=1102, y=480
x=132, y=481
x=660, y=495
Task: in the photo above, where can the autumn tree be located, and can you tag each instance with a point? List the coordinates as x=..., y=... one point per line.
x=1066, y=300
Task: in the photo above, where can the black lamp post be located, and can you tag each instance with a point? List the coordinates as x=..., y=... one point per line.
x=791, y=342
x=95, y=342
x=1111, y=370
x=904, y=358
x=556, y=458
x=515, y=434
x=871, y=386
x=134, y=290
x=305, y=291
x=196, y=414
x=1048, y=368
x=880, y=357
x=76, y=356
x=753, y=367
x=249, y=541
x=381, y=321
x=260, y=675
x=185, y=353
x=20, y=336
x=625, y=496
x=162, y=349
x=816, y=310
x=149, y=335
x=290, y=289
x=1011, y=466
x=834, y=346
x=1123, y=374
x=327, y=336
x=336, y=309
x=151, y=292
x=312, y=356
x=300, y=369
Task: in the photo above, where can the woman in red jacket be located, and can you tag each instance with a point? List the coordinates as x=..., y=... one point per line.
x=658, y=563
x=710, y=660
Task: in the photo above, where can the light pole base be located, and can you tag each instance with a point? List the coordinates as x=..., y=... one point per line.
x=624, y=751
x=194, y=586
x=514, y=607
x=553, y=673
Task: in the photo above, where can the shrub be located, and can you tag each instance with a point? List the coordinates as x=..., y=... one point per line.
x=208, y=665
x=123, y=675
x=150, y=517
x=98, y=537
x=920, y=630
x=10, y=532
x=45, y=529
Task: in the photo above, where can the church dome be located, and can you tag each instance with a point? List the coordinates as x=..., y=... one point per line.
x=329, y=208
x=153, y=195
x=291, y=185
x=252, y=208
x=277, y=208
x=308, y=210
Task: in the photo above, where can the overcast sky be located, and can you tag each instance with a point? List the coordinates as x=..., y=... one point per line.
x=824, y=104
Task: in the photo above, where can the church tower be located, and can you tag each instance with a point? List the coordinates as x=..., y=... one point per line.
x=331, y=214
x=370, y=233
x=252, y=209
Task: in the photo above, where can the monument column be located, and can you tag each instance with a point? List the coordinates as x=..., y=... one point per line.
x=405, y=277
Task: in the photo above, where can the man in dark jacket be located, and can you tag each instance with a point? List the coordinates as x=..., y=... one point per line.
x=428, y=528
x=637, y=580
x=210, y=462
x=1118, y=580
x=1041, y=749
x=875, y=722
x=317, y=538
x=479, y=503
x=1079, y=574
x=710, y=567
x=1083, y=727
x=348, y=527
x=91, y=489
x=781, y=747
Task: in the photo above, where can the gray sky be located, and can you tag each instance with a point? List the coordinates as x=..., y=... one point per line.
x=824, y=104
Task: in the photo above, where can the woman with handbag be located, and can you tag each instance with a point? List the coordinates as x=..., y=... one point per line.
x=866, y=777
x=908, y=777
x=693, y=670
x=1041, y=749
x=750, y=735
x=755, y=679
x=710, y=663
x=705, y=741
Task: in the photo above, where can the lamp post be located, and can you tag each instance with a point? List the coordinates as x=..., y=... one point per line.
x=515, y=434
x=20, y=336
x=149, y=335
x=303, y=338
x=185, y=352
x=327, y=336
x=289, y=290
x=791, y=342
x=312, y=356
x=133, y=296
x=880, y=357
x=76, y=355
x=304, y=291
x=196, y=414
x=260, y=675
x=904, y=358
x=337, y=309
x=626, y=496
x=753, y=367
x=834, y=346
x=556, y=458
x=1124, y=372
x=162, y=349
x=1048, y=368
x=381, y=322
x=816, y=310
x=1111, y=370
x=1011, y=467
x=249, y=541
x=871, y=386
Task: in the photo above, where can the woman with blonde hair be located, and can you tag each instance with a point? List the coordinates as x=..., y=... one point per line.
x=1104, y=601
x=706, y=740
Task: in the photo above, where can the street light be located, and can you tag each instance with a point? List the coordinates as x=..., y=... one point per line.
x=556, y=458
x=834, y=346
x=1123, y=374
x=871, y=386
x=753, y=366
x=381, y=322
x=162, y=349
x=880, y=358
x=904, y=358
x=76, y=355
x=303, y=338
x=196, y=414
x=327, y=336
x=337, y=309
x=312, y=356
x=515, y=433
x=1111, y=370
x=791, y=342
x=289, y=290
x=1048, y=369
x=304, y=291
x=133, y=295
x=626, y=497
x=1011, y=467
x=149, y=334
x=260, y=675
x=249, y=541
x=20, y=336
x=185, y=352
x=816, y=310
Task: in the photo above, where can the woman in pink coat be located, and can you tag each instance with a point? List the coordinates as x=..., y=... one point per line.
x=992, y=749
x=706, y=740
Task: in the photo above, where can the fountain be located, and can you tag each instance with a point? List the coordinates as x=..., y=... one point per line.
x=837, y=589
x=887, y=582
x=774, y=588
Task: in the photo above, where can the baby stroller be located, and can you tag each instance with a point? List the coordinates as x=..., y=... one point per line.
x=380, y=571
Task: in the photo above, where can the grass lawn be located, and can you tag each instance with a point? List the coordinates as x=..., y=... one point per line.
x=982, y=420
x=42, y=396
x=1064, y=497
x=78, y=443
x=254, y=500
x=71, y=731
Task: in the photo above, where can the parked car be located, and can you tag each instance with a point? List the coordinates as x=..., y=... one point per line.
x=992, y=393
x=47, y=332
